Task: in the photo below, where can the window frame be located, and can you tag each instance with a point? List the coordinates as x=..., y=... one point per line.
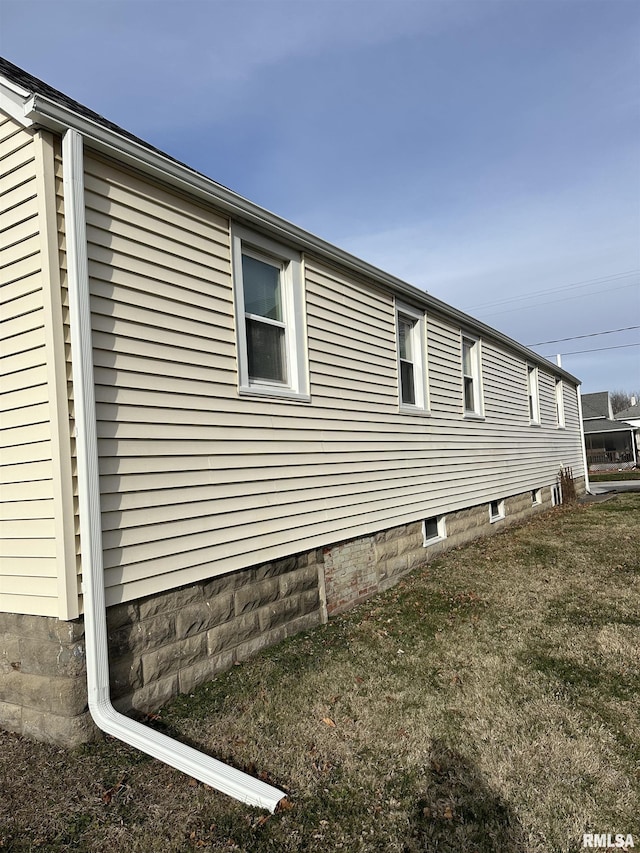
x=290, y=264
x=559, y=394
x=419, y=345
x=441, y=534
x=500, y=514
x=536, y=497
x=533, y=394
x=475, y=376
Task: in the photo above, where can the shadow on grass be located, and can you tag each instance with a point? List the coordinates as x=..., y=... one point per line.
x=459, y=811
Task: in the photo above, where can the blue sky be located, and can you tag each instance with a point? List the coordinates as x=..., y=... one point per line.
x=488, y=152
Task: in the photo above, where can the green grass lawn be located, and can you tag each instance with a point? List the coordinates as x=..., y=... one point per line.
x=489, y=702
x=614, y=475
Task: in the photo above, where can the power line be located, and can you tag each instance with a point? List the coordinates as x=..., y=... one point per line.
x=598, y=349
x=583, y=283
x=578, y=337
x=564, y=299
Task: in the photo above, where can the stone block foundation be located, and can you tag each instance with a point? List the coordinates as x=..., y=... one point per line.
x=358, y=568
x=171, y=642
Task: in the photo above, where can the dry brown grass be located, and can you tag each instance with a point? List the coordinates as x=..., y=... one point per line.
x=487, y=703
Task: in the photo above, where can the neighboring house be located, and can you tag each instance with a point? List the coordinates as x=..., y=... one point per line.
x=596, y=405
x=611, y=443
x=230, y=426
x=630, y=415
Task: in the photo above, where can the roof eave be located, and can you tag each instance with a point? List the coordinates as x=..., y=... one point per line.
x=45, y=112
x=12, y=101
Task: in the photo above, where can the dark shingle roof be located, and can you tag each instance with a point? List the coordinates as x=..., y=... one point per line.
x=631, y=412
x=605, y=425
x=595, y=405
x=39, y=87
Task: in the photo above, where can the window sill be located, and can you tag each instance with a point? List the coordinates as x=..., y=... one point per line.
x=273, y=393
x=433, y=541
x=535, y=423
x=473, y=416
x=406, y=409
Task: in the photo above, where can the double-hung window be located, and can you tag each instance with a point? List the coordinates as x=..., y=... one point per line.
x=534, y=399
x=265, y=326
x=559, y=405
x=412, y=374
x=269, y=317
x=471, y=377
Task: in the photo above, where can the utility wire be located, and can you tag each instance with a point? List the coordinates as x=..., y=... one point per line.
x=555, y=301
x=599, y=349
x=584, y=283
x=578, y=337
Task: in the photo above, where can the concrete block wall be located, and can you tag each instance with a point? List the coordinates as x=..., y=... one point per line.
x=171, y=642
x=43, y=679
x=159, y=646
x=358, y=568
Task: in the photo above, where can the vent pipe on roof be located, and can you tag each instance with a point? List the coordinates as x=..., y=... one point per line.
x=208, y=770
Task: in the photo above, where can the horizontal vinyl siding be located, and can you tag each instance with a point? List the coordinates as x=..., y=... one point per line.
x=197, y=481
x=28, y=572
x=444, y=355
x=164, y=359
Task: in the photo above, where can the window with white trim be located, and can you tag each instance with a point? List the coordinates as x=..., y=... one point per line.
x=536, y=497
x=268, y=283
x=559, y=405
x=471, y=377
x=412, y=373
x=434, y=529
x=496, y=510
x=534, y=399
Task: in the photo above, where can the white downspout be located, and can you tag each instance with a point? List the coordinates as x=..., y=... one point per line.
x=582, y=442
x=208, y=770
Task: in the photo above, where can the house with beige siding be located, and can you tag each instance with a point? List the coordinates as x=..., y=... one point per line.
x=218, y=429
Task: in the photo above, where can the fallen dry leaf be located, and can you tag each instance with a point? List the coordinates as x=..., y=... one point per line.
x=110, y=793
x=328, y=722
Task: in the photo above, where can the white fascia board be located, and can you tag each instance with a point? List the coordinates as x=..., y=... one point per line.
x=43, y=111
x=13, y=100
x=628, y=428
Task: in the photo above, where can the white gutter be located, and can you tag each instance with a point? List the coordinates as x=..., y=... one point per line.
x=47, y=113
x=583, y=443
x=208, y=770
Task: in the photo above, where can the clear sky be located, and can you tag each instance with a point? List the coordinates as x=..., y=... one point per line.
x=486, y=151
